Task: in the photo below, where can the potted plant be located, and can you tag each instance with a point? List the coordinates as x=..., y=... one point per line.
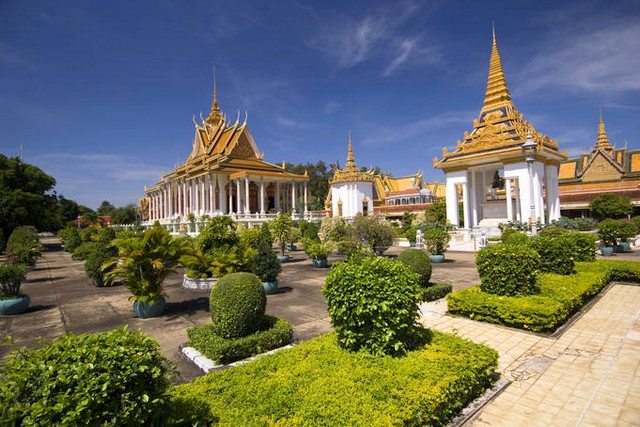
x=266, y=265
x=143, y=263
x=191, y=217
x=628, y=229
x=318, y=252
x=374, y=232
x=436, y=237
x=294, y=237
x=608, y=230
x=11, y=300
x=199, y=270
x=281, y=228
x=23, y=246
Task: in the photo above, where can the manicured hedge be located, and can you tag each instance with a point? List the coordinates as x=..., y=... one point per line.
x=419, y=262
x=560, y=296
x=437, y=291
x=317, y=383
x=273, y=333
x=507, y=269
x=556, y=253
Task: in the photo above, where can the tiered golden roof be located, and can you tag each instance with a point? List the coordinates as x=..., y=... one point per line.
x=219, y=145
x=351, y=173
x=500, y=130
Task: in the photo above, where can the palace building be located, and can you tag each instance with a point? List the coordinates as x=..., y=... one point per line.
x=526, y=162
x=605, y=169
x=225, y=174
x=354, y=191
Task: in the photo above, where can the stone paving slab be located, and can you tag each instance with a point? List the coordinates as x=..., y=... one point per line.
x=590, y=375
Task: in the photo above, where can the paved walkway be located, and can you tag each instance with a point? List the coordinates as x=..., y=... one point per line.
x=590, y=375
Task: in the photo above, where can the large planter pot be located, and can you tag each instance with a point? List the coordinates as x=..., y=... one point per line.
x=270, y=287
x=623, y=247
x=97, y=281
x=381, y=249
x=14, y=305
x=606, y=250
x=145, y=310
x=320, y=263
x=437, y=259
x=283, y=258
x=204, y=284
x=293, y=248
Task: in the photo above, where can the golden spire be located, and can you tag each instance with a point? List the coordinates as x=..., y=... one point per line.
x=350, y=173
x=351, y=160
x=603, y=138
x=215, y=116
x=497, y=93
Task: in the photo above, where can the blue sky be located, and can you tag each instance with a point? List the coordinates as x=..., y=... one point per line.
x=101, y=94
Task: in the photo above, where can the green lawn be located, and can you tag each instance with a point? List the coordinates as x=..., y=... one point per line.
x=317, y=383
x=560, y=296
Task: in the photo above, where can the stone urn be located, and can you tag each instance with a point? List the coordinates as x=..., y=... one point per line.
x=204, y=284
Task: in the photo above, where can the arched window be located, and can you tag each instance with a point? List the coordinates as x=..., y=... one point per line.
x=339, y=207
x=365, y=206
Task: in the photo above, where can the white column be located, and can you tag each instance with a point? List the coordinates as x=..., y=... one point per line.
x=212, y=194
x=305, y=198
x=238, y=208
x=203, y=206
x=474, y=199
x=452, y=203
x=553, y=196
x=170, y=200
x=293, y=197
x=221, y=194
x=246, y=195
x=518, y=215
x=262, y=212
x=507, y=186
x=465, y=205
x=277, y=198
x=230, y=207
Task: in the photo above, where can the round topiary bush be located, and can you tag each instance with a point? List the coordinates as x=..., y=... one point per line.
x=508, y=269
x=373, y=304
x=556, y=253
x=418, y=261
x=512, y=236
x=110, y=378
x=237, y=304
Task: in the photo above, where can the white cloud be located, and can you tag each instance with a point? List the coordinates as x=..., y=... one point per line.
x=292, y=123
x=380, y=35
x=600, y=58
x=331, y=107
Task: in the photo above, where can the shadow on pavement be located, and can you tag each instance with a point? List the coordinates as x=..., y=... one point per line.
x=188, y=307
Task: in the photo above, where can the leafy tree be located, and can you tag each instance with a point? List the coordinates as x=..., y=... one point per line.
x=436, y=213
x=281, y=228
x=127, y=214
x=611, y=206
x=318, y=185
x=105, y=208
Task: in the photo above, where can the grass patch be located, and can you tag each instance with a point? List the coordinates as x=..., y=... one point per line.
x=272, y=333
x=560, y=297
x=317, y=383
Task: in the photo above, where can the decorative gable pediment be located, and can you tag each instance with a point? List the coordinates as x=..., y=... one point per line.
x=601, y=168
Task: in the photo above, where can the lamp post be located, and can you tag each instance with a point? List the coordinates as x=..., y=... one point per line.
x=529, y=149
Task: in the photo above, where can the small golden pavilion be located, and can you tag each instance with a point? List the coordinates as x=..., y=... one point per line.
x=501, y=141
x=605, y=169
x=225, y=174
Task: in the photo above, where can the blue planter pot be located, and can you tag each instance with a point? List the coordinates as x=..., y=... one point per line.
x=283, y=258
x=606, y=250
x=320, y=263
x=270, y=287
x=623, y=247
x=437, y=259
x=145, y=310
x=14, y=305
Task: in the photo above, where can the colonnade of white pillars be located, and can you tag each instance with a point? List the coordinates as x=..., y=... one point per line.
x=205, y=195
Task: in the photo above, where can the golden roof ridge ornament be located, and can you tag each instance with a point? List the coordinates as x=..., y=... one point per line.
x=215, y=116
x=497, y=93
x=602, y=140
x=351, y=173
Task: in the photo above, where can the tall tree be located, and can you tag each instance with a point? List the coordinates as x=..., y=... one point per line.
x=105, y=208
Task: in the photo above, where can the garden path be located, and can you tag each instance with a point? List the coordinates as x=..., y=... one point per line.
x=589, y=375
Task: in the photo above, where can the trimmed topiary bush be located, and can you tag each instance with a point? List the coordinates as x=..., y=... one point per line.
x=237, y=304
x=511, y=236
x=23, y=246
x=71, y=239
x=556, y=253
x=418, y=261
x=508, y=269
x=437, y=291
x=585, y=246
x=373, y=305
x=109, y=378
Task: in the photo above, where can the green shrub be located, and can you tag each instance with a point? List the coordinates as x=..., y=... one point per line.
x=3, y=243
x=265, y=264
x=374, y=232
x=581, y=224
x=198, y=265
x=82, y=252
x=347, y=248
x=316, y=249
x=188, y=411
x=628, y=230
x=271, y=333
x=237, y=304
x=71, y=239
x=281, y=228
x=437, y=291
x=23, y=246
x=508, y=269
x=116, y=378
x=511, y=236
x=318, y=383
x=89, y=234
x=218, y=234
x=418, y=261
x=556, y=253
x=410, y=234
x=436, y=237
x=310, y=230
x=560, y=296
x=249, y=236
x=373, y=305
x=585, y=246
x=11, y=276
x=609, y=231
x=102, y=251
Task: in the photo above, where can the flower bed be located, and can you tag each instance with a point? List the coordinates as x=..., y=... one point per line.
x=560, y=296
x=317, y=383
x=273, y=333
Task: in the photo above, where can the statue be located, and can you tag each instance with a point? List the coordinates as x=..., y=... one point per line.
x=419, y=239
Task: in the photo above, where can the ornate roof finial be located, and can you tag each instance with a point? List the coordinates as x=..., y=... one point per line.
x=215, y=116
x=603, y=139
x=497, y=93
x=351, y=161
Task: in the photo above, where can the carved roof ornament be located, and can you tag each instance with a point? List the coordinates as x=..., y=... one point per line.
x=602, y=142
x=500, y=125
x=351, y=173
x=215, y=116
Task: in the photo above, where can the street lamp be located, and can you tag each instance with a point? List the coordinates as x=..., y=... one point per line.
x=529, y=149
